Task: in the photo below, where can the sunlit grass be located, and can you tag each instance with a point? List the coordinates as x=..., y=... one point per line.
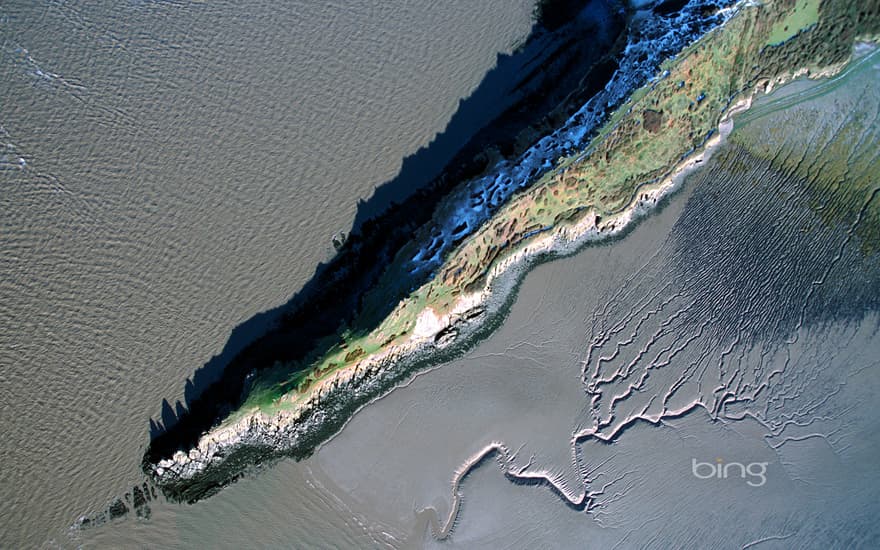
x=804, y=15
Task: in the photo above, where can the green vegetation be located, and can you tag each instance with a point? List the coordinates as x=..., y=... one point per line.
x=641, y=143
x=804, y=15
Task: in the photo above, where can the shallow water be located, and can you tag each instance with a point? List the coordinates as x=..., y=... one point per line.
x=168, y=170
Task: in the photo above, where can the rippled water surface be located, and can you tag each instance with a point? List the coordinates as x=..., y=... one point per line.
x=168, y=170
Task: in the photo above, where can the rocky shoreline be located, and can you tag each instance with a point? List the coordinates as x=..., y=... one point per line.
x=229, y=451
x=562, y=70
x=306, y=418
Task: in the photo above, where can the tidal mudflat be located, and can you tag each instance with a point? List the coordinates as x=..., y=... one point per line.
x=732, y=363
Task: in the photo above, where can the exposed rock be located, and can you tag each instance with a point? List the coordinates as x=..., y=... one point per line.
x=117, y=509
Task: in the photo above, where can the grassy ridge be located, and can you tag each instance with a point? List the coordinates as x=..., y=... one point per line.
x=804, y=15
x=641, y=142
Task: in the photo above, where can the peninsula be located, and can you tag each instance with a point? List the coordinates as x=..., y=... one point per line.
x=638, y=155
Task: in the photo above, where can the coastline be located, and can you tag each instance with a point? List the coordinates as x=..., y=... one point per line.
x=259, y=429
x=303, y=420
x=566, y=102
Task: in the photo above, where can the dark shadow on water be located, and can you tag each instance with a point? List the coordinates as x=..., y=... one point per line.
x=518, y=83
x=528, y=93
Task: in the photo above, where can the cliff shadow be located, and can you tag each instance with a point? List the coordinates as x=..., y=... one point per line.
x=528, y=92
